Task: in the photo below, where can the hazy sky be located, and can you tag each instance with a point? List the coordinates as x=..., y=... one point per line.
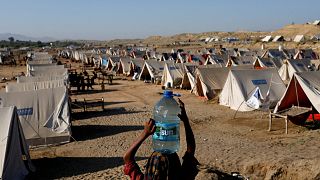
x=104, y=19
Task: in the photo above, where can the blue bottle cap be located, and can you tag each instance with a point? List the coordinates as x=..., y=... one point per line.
x=167, y=93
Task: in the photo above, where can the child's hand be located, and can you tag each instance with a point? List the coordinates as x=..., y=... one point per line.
x=183, y=115
x=149, y=127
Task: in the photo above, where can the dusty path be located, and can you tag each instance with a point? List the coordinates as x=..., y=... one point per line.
x=223, y=143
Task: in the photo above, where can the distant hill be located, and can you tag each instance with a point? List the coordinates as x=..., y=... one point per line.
x=290, y=31
x=198, y=36
x=5, y=36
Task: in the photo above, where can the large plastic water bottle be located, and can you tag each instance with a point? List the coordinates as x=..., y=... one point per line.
x=166, y=138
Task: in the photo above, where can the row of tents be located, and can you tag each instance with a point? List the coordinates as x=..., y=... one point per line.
x=223, y=58
x=298, y=38
x=208, y=75
x=34, y=112
x=181, y=56
x=275, y=67
x=266, y=78
x=152, y=69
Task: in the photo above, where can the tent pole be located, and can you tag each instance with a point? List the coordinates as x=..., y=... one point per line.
x=295, y=84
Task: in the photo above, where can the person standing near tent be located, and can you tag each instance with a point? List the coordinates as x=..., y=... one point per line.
x=163, y=166
x=81, y=82
x=92, y=79
x=88, y=82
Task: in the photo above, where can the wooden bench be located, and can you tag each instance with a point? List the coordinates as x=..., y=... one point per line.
x=297, y=115
x=105, y=76
x=88, y=103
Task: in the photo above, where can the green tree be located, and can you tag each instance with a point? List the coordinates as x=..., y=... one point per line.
x=39, y=43
x=11, y=39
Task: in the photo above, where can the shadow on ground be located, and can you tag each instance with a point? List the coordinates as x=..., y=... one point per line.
x=60, y=167
x=87, y=132
x=90, y=91
x=92, y=103
x=212, y=173
x=313, y=125
x=100, y=113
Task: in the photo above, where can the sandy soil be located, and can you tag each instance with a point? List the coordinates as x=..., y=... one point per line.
x=224, y=144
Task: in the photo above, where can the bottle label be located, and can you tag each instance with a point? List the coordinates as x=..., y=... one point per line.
x=166, y=132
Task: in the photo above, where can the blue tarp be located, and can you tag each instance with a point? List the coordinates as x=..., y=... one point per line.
x=104, y=62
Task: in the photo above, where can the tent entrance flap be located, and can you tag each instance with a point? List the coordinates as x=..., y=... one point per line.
x=294, y=97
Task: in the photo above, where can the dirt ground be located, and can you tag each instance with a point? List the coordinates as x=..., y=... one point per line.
x=224, y=144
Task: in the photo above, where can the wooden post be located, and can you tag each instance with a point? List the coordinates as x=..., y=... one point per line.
x=312, y=114
x=313, y=121
x=270, y=121
x=102, y=86
x=102, y=105
x=286, y=120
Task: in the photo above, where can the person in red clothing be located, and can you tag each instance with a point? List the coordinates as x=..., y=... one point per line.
x=163, y=166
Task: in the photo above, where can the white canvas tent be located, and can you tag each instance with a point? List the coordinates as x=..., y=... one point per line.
x=40, y=58
x=24, y=79
x=274, y=53
x=316, y=22
x=42, y=67
x=50, y=72
x=290, y=66
x=152, y=70
x=41, y=55
x=172, y=74
x=241, y=61
x=44, y=114
x=35, y=67
x=278, y=38
x=83, y=57
x=305, y=54
x=40, y=61
x=191, y=73
x=137, y=64
x=136, y=67
x=299, y=38
x=76, y=55
x=99, y=61
x=267, y=63
x=210, y=80
x=15, y=160
x=267, y=39
x=219, y=60
x=113, y=63
x=32, y=86
x=242, y=85
x=124, y=66
x=315, y=37
x=303, y=91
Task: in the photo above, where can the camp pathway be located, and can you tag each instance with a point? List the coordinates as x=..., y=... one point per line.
x=223, y=143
